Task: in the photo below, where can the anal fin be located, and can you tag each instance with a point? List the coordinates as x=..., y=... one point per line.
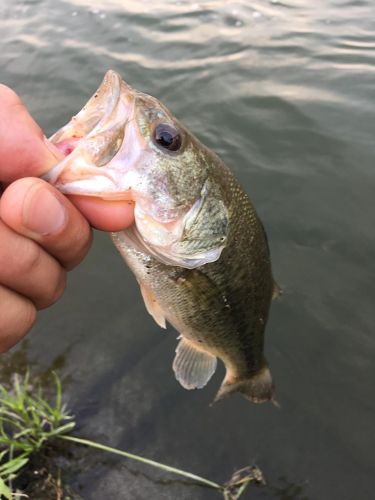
x=153, y=307
x=193, y=368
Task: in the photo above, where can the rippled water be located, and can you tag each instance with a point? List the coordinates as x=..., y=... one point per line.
x=284, y=92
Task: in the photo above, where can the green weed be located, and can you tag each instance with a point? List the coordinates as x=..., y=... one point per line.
x=28, y=422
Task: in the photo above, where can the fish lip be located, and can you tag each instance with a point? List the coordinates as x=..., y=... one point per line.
x=112, y=103
x=109, y=91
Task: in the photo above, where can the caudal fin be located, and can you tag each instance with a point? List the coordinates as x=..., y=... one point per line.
x=258, y=388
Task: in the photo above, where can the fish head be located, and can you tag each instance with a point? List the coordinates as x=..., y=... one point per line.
x=126, y=145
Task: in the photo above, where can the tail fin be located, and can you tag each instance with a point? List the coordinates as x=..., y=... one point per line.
x=258, y=388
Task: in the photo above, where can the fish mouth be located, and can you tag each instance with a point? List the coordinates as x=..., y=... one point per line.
x=94, y=144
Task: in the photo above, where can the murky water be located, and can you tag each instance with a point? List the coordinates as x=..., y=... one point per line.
x=284, y=92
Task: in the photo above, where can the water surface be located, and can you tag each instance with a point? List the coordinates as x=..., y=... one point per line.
x=284, y=92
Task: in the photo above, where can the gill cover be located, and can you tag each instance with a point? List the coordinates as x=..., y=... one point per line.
x=192, y=241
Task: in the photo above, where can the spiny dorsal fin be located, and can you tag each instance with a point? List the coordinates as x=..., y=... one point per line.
x=153, y=306
x=193, y=368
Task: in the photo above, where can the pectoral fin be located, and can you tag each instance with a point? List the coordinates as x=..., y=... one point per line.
x=153, y=306
x=193, y=368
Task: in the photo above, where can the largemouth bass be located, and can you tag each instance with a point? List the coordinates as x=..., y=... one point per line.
x=197, y=249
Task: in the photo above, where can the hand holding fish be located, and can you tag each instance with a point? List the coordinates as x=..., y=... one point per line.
x=42, y=234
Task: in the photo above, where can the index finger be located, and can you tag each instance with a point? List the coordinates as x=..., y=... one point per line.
x=25, y=152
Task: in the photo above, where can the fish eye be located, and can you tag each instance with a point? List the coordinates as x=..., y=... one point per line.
x=167, y=137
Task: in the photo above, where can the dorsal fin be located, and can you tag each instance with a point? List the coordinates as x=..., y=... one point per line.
x=193, y=368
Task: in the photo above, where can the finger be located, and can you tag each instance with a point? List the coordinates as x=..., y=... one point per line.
x=105, y=215
x=17, y=315
x=27, y=269
x=24, y=149
x=34, y=209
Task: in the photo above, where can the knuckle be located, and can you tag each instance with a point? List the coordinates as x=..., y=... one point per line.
x=29, y=319
x=81, y=242
x=60, y=287
x=31, y=257
x=18, y=319
x=55, y=290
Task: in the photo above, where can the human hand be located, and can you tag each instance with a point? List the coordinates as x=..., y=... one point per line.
x=42, y=233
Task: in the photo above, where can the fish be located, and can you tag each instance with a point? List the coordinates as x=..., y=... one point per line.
x=197, y=248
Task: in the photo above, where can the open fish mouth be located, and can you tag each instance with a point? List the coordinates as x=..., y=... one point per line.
x=124, y=145
x=94, y=144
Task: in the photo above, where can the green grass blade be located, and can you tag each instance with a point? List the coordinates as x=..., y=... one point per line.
x=58, y=401
x=63, y=429
x=5, y=491
x=147, y=461
x=13, y=465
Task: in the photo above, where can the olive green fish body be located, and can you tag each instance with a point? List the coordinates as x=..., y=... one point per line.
x=221, y=307
x=197, y=248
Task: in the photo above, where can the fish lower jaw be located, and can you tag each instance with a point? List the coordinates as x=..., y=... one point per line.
x=85, y=179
